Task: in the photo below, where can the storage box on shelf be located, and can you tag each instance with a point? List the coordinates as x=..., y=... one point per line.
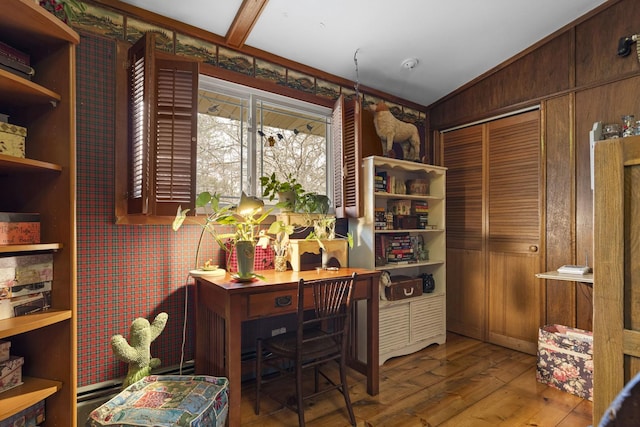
x=17, y=228
x=12, y=139
x=11, y=373
x=42, y=181
x=403, y=232
x=32, y=416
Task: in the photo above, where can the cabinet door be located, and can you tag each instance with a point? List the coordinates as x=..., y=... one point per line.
x=427, y=318
x=513, y=234
x=394, y=328
x=466, y=312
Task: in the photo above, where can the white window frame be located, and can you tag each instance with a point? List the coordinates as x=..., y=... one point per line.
x=253, y=95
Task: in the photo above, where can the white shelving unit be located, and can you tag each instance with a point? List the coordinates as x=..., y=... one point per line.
x=410, y=324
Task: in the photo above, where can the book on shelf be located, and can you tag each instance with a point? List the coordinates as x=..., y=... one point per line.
x=13, y=53
x=574, y=269
x=14, y=71
x=12, y=64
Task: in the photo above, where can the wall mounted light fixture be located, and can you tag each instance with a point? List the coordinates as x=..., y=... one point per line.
x=624, y=45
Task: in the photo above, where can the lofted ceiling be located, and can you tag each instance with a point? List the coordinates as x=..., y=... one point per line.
x=368, y=41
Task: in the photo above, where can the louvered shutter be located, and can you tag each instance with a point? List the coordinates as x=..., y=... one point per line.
x=337, y=121
x=176, y=122
x=347, y=145
x=163, y=129
x=140, y=93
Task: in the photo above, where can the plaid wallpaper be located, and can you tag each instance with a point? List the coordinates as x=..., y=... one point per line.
x=124, y=271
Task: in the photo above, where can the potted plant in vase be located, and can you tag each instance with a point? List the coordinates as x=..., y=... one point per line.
x=245, y=219
x=288, y=191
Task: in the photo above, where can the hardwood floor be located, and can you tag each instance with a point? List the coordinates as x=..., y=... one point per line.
x=464, y=382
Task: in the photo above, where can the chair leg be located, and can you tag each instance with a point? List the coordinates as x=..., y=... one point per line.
x=258, y=374
x=345, y=391
x=299, y=394
x=316, y=374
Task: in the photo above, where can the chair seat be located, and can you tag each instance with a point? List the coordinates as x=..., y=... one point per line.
x=317, y=344
x=167, y=400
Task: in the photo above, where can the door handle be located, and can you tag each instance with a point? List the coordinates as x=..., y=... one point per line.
x=533, y=248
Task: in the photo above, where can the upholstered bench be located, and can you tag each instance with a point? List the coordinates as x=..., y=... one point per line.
x=167, y=400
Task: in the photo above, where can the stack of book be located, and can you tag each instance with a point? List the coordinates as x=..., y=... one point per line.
x=400, y=249
x=420, y=209
x=380, y=219
x=15, y=61
x=380, y=182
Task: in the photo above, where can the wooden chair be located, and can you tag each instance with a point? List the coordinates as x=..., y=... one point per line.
x=321, y=336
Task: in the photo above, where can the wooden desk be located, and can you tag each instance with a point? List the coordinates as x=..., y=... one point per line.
x=222, y=305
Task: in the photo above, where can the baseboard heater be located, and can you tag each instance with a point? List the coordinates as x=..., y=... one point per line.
x=93, y=395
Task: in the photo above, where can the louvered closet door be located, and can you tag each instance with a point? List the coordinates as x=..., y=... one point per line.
x=513, y=232
x=466, y=296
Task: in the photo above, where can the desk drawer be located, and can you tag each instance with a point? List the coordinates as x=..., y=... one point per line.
x=279, y=302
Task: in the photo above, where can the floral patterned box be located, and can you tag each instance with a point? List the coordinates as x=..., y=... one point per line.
x=565, y=359
x=33, y=416
x=11, y=373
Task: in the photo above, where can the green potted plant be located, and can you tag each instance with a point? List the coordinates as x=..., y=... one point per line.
x=288, y=190
x=245, y=220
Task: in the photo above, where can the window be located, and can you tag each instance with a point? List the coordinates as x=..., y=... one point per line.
x=244, y=133
x=188, y=133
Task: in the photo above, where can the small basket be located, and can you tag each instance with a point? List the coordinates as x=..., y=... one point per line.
x=418, y=187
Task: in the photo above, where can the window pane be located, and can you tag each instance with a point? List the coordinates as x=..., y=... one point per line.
x=287, y=136
x=292, y=142
x=222, y=144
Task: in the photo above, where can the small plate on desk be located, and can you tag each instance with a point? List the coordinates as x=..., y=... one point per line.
x=208, y=273
x=239, y=279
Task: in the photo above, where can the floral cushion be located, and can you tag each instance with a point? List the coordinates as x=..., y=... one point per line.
x=167, y=400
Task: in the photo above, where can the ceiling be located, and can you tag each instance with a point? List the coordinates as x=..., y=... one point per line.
x=367, y=41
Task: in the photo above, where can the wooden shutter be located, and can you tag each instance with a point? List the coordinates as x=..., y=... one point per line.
x=347, y=145
x=140, y=93
x=163, y=120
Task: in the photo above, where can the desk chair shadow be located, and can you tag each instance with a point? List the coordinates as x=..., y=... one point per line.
x=321, y=337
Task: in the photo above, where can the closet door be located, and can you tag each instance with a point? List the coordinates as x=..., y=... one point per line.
x=513, y=182
x=462, y=154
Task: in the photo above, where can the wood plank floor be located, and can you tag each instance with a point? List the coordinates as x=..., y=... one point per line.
x=464, y=382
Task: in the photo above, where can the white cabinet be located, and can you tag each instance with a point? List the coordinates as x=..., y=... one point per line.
x=410, y=324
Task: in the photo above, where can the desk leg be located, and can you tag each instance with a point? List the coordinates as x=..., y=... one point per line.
x=373, y=342
x=233, y=337
x=219, y=342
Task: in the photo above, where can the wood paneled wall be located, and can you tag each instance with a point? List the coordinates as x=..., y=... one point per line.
x=577, y=78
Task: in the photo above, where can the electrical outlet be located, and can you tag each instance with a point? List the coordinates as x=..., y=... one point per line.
x=278, y=331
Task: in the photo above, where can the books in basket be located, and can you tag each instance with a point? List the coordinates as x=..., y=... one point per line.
x=574, y=269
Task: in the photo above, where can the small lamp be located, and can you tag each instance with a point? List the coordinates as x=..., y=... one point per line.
x=249, y=205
